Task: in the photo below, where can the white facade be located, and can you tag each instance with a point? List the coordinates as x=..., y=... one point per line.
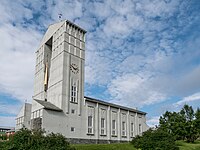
x=59, y=104
x=24, y=117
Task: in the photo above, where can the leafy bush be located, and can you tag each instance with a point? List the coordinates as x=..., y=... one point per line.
x=35, y=140
x=155, y=140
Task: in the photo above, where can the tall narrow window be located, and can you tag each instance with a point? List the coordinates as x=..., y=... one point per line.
x=114, y=127
x=132, y=129
x=102, y=126
x=140, y=128
x=74, y=92
x=90, y=120
x=90, y=125
x=123, y=128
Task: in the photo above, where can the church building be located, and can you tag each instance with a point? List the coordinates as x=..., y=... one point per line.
x=59, y=104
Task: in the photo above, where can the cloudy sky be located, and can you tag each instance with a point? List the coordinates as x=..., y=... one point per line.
x=143, y=54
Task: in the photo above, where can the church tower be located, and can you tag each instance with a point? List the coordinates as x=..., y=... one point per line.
x=59, y=75
x=59, y=104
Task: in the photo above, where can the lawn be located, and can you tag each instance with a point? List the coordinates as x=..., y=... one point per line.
x=188, y=146
x=118, y=146
x=127, y=146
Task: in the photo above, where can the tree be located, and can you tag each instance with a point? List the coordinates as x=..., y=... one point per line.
x=183, y=124
x=197, y=121
x=173, y=123
x=155, y=140
x=191, y=132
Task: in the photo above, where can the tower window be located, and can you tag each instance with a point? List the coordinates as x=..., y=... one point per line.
x=74, y=92
x=72, y=129
x=72, y=111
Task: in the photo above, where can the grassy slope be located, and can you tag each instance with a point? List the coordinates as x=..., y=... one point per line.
x=126, y=146
x=120, y=146
x=188, y=146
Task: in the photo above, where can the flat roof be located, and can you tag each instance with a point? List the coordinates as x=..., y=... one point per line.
x=48, y=105
x=114, y=105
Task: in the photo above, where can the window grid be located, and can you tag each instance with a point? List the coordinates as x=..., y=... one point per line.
x=123, y=128
x=74, y=93
x=20, y=120
x=90, y=124
x=103, y=126
x=114, y=127
x=132, y=129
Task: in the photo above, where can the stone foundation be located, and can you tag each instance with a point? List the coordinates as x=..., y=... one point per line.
x=92, y=141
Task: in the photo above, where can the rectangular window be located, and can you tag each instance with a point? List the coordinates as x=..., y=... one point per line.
x=123, y=128
x=72, y=129
x=90, y=124
x=113, y=127
x=74, y=92
x=132, y=129
x=102, y=126
x=72, y=111
x=140, y=128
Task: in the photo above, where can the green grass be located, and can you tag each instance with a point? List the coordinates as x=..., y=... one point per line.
x=188, y=146
x=127, y=146
x=118, y=146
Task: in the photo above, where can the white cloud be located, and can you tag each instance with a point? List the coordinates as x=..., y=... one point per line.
x=153, y=121
x=17, y=60
x=134, y=90
x=188, y=99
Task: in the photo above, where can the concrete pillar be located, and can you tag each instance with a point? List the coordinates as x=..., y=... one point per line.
x=128, y=126
x=109, y=123
x=119, y=124
x=97, y=121
x=136, y=124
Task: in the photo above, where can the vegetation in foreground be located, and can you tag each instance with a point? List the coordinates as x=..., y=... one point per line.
x=116, y=146
x=182, y=145
x=155, y=140
x=35, y=140
x=188, y=146
x=183, y=125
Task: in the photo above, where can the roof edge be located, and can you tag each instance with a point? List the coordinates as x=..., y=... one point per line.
x=114, y=105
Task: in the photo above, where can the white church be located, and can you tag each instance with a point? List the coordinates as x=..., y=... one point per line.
x=59, y=104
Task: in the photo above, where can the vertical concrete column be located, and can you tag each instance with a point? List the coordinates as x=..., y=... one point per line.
x=69, y=83
x=136, y=124
x=97, y=121
x=81, y=86
x=119, y=124
x=109, y=123
x=128, y=125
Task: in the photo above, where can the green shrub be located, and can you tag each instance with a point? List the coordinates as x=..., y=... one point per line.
x=155, y=140
x=35, y=140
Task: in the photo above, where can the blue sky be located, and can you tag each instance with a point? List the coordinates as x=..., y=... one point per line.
x=139, y=53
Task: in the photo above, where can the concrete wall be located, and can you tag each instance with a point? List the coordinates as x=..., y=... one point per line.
x=68, y=47
x=24, y=117
x=64, y=122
